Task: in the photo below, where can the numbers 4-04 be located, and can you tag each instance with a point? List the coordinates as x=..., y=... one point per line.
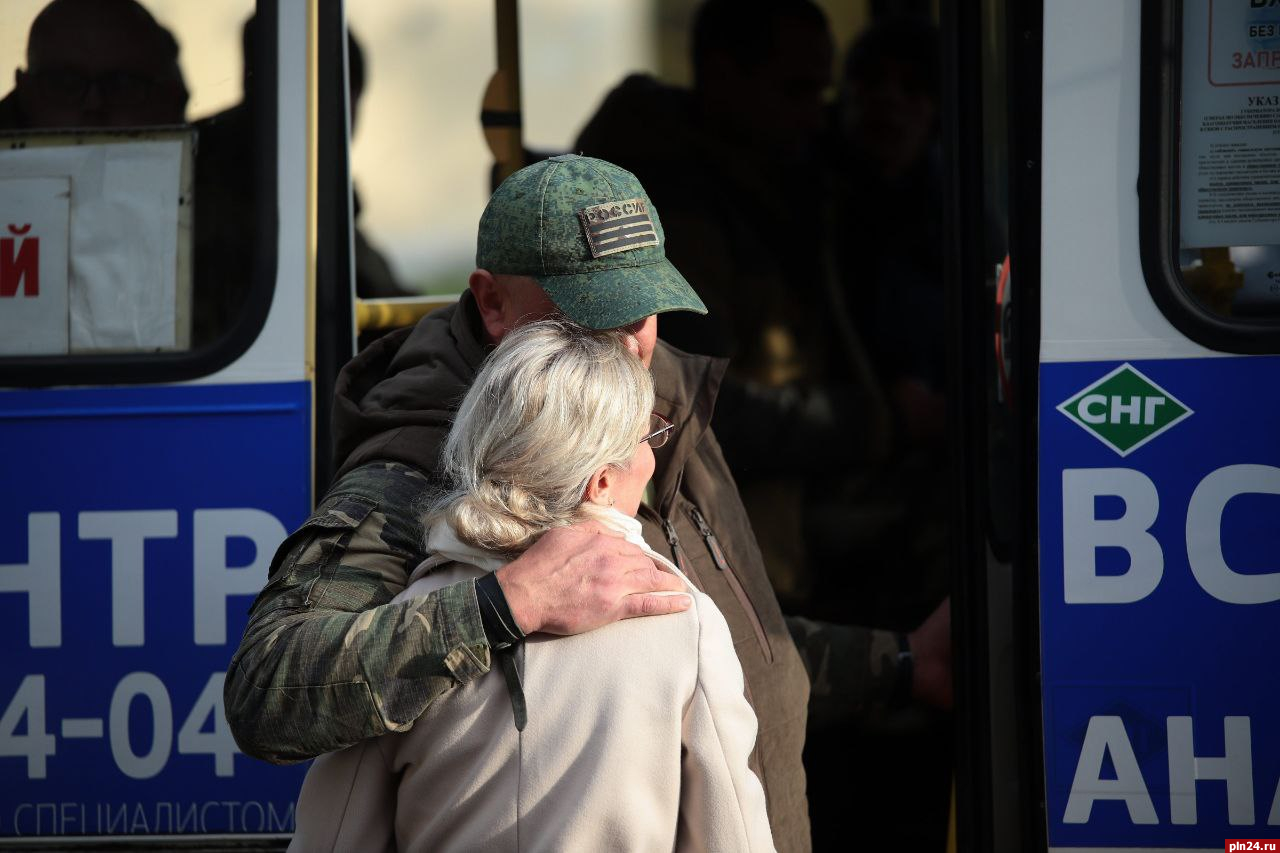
x=199, y=735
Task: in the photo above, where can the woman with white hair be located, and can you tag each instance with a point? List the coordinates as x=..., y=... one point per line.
x=635, y=736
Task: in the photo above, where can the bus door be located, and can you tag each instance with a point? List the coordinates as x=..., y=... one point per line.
x=1158, y=464
x=1116, y=607
x=158, y=361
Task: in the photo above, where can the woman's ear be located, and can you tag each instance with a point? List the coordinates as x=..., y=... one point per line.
x=600, y=487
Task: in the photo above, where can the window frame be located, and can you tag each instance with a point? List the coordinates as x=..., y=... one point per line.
x=1159, y=195
x=140, y=368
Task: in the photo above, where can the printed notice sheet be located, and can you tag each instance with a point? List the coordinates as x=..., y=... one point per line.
x=1230, y=185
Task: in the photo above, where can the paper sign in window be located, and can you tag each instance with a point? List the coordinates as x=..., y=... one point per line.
x=1230, y=124
x=126, y=289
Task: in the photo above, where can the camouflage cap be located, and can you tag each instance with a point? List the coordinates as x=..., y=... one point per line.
x=587, y=232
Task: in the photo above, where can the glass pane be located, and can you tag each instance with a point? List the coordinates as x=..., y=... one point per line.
x=1230, y=157
x=420, y=165
x=118, y=161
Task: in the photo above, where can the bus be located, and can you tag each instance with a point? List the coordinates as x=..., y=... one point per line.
x=177, y=297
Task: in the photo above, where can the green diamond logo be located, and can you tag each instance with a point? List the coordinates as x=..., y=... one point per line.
x=1124, y=409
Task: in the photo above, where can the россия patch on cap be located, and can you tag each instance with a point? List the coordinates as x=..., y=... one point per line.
x=618, y=226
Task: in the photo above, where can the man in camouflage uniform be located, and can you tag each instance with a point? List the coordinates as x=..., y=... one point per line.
x=327, y=661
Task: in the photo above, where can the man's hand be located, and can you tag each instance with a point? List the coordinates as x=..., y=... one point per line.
x=931, y=656
x=576, y=579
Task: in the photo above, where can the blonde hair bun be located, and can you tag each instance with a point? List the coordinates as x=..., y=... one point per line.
x=552, y=405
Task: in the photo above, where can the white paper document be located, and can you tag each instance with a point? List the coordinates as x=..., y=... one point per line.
x=123, y=238
x=1230, y=187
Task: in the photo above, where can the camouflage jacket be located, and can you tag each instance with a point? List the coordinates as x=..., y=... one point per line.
x=326, y=660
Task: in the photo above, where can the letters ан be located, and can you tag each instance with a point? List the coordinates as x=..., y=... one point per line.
x=1125, y=783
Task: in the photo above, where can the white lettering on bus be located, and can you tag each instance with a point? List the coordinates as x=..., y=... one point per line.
x=215, y=580
x=1083, y=533
x=41, y=579
x=128, y=533
x=1098, y=408
x=1204, y=534
x=1106, y=735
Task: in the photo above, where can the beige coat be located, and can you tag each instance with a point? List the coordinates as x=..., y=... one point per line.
x=637, y=739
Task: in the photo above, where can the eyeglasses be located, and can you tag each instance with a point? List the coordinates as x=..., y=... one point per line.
x=660, y=430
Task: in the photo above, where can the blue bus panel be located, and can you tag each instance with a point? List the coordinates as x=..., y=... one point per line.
x=138, y=525
x=1159, y=591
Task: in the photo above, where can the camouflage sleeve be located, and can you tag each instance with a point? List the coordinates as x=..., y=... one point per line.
x=326, y=659
x=853, y=671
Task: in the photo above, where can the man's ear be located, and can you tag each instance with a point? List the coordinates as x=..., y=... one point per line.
x=600, y=487
x=491, y=301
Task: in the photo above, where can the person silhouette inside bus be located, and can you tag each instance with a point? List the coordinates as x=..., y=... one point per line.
x=226, y=212
x=884, y=145
x=96, y=64
x=886, y=152
x=759, y=69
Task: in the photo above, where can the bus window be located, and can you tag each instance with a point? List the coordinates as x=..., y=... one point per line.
x=1221, y=218
x=131, y=163
x=425, y=69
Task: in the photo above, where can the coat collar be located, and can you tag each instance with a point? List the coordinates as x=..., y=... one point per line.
x=685, y=389
x=445, y=547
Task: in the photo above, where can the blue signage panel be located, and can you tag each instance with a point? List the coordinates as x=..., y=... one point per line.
x=137, y=526
x=1160, y=601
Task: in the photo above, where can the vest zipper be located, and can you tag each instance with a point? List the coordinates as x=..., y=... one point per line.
x=739, y=592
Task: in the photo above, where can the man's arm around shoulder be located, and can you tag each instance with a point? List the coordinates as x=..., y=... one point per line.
x=326, y=660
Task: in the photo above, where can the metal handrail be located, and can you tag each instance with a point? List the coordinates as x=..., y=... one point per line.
x=395, y=312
